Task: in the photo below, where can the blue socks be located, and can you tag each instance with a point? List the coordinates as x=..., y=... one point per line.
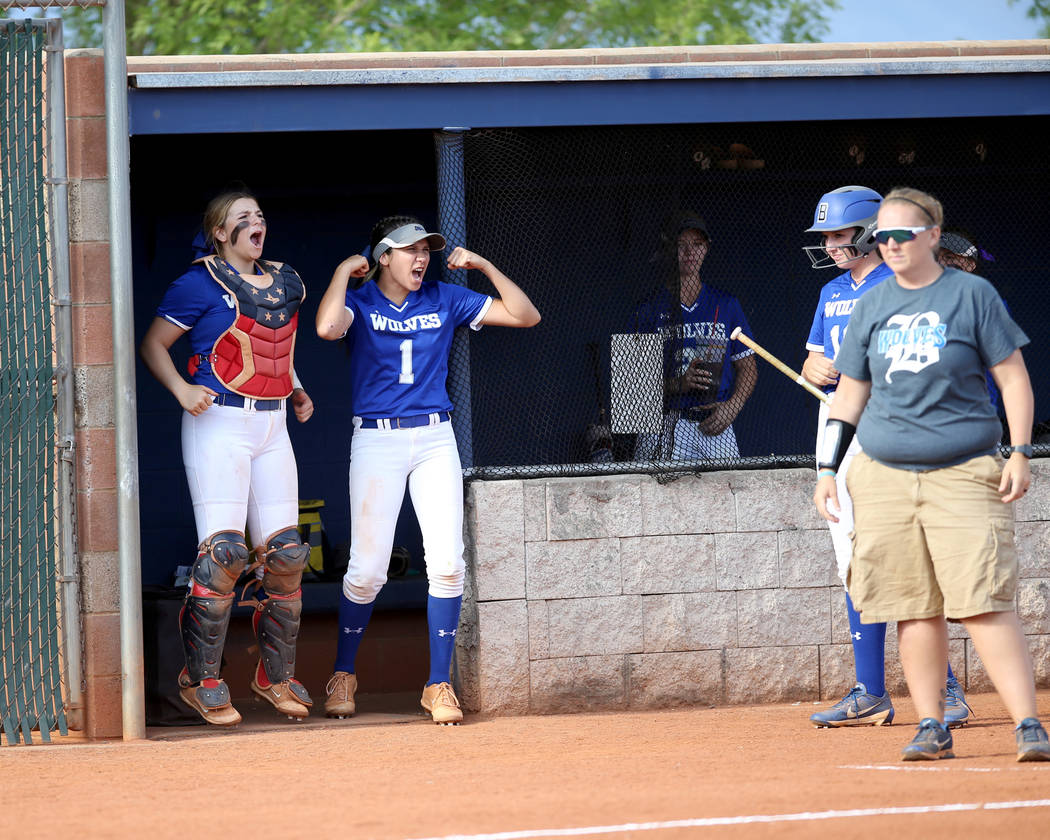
x=353, y=619
x=442, y=623
x=869, y=651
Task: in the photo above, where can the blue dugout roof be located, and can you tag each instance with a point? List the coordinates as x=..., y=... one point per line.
x=351, y=99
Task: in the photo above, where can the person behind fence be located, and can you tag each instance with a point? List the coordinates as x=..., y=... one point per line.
x=957, y=250
x=707, y=376
x=399, y=329
x=240, y=314
x=846, y=219
x=933, y=526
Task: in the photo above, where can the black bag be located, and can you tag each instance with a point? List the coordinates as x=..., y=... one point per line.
x=163, y=658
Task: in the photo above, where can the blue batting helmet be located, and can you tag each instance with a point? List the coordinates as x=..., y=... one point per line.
x=846, y=207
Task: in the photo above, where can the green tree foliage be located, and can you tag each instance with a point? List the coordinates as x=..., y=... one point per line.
x=198, y=27
x=1039, y=11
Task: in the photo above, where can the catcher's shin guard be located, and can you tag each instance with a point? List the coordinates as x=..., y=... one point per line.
x=203, y=621
x=276, y=624
x=205, y=614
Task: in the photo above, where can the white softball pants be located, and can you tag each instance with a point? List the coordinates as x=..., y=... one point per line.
x=382, y=462
x=241, y=469
x=682, y=440
x=840, y=530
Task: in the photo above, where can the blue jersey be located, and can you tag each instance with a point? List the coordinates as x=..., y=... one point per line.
x=836, y=303
x=399, y=354
x=195, y=302
x=702, y=333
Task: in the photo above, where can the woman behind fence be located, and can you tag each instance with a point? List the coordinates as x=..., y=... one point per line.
x=933, y=526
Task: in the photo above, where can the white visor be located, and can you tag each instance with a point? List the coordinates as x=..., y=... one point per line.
x=407, y=235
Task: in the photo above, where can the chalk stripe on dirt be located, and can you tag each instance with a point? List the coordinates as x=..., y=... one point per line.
x=805, y=816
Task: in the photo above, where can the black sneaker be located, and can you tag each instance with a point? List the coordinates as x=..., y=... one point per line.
x=933, y=740
x=1032, y=743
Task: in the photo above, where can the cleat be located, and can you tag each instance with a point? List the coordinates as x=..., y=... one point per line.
x=289, y=697
x=210, y=698
x=340, y=689
x=1032, y=742
x=956, y=709
x=857, y=708
x=932, y=741
x=440, y=700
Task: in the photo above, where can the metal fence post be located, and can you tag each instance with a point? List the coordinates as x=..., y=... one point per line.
x=118, y=164
x=452, y=222
x=59, y=209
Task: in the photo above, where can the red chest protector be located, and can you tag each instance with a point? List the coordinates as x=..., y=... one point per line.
x=253, y=357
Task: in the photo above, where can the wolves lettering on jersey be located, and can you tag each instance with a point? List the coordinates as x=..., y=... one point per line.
x=417, y=322
x=703, y=332
x=837, y=299
x=399, y=354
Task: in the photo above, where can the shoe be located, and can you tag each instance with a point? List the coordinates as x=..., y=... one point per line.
x=857, y=708
x=340, y=690
x=933, y=740
x=956, y=709
x=289, y=697
x=440, y=700
x=210, y=698
x=1032, y=743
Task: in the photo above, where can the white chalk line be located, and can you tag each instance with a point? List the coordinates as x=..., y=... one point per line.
x=804, y=816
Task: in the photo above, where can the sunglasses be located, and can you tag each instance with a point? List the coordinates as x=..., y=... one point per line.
x=901, y=234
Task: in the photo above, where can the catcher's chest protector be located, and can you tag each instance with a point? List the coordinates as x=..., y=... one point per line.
x=253, y=357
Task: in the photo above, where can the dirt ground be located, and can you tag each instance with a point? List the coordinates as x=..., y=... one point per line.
x=390, y=774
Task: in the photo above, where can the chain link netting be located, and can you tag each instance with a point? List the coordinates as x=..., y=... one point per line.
x=30, y=672
x=634, y=370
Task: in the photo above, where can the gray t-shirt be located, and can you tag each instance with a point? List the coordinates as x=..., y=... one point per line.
x=925, y=352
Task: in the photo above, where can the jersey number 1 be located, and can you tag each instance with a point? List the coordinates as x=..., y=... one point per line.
x=406, y=377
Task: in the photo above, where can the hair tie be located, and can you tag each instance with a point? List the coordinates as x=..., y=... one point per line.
x=929, y=215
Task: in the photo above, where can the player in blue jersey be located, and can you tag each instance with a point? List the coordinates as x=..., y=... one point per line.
x=240, y=314
x=707, y=376
x=934, y=533
x=400, y=331
x=846, y=219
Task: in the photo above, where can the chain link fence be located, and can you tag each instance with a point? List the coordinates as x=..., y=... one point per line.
x=590, y=221
x=30, y=663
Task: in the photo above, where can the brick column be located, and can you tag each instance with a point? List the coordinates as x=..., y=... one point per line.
x=96, y=495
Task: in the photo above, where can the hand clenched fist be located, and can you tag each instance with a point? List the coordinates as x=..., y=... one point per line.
x=462, y=258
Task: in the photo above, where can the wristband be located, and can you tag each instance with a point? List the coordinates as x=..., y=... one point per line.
x=827, y=471
x=838, y=435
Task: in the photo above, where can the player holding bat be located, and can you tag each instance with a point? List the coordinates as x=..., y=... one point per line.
x=846, y=219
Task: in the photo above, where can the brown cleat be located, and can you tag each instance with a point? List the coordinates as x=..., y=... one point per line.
x=289, y=697
x=210, y=698
x=440, y=700
x=340, y=690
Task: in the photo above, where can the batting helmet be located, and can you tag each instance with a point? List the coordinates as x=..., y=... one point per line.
x=846, y=207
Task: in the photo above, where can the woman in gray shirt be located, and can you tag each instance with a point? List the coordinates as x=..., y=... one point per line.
x=933, y=536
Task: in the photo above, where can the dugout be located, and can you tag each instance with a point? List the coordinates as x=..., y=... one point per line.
x=560, y=167
x=561, y=173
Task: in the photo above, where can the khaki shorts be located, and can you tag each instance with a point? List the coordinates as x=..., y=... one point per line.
x=930, y=543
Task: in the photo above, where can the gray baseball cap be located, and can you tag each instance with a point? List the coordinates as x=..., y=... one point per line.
x=958, y=244
x=407, y=235
x=689, y=220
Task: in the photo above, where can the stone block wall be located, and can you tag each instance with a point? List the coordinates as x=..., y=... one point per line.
x=714, y=589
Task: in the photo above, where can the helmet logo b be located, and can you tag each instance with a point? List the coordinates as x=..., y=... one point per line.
x=822, y=212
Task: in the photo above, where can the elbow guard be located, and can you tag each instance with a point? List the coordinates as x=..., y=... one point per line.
x=838, y=435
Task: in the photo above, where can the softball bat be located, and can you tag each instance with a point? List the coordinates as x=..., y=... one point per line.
x=738, y=335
